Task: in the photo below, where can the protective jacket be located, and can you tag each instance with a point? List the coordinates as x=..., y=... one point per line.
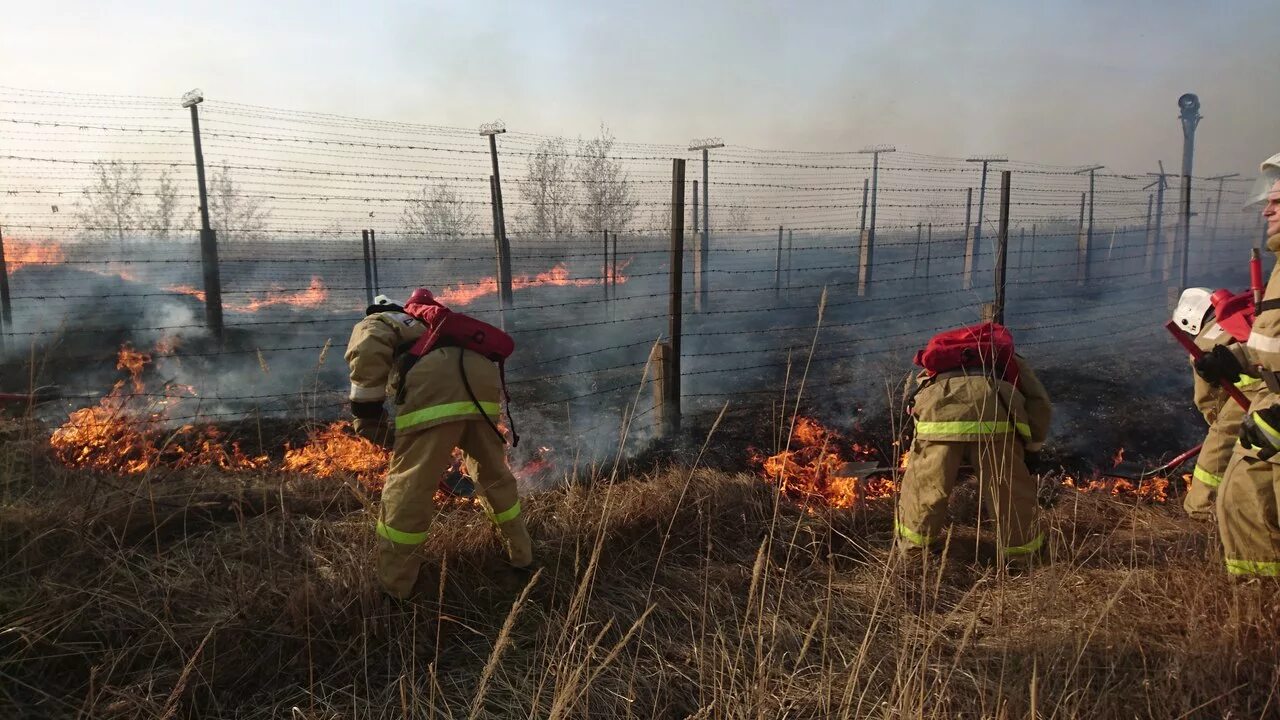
x=966, y=417
x=435, y=389
x=1249, y=497
x=967, y=406
x=1223, y=415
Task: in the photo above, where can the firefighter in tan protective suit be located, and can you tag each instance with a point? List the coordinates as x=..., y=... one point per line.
x=973, y=416
x=1194, y=314
x=1249, y=497
x=436, y=412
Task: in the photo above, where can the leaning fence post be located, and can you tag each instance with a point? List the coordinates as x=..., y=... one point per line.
x=915, y=264
x=790, y=246
x=208, y=238
x=659, y=358
x=1002, y=251
x=672, y=401
x=373, y=261
x=777, y=266
x=700, y=247
x=368, y=267
x=6, y=312
x=969, y=239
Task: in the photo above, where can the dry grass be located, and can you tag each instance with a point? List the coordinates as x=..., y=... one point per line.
x=675, y=594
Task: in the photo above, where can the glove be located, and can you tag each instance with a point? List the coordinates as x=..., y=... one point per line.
x=372, y=423
x=1255, y=435
x=1219, y=364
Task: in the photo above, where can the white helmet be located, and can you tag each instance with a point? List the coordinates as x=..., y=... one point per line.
x=1193, y=308
x=382, y=300
x=1268, y=176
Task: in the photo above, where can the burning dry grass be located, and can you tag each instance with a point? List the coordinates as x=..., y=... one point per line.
x=678, y=594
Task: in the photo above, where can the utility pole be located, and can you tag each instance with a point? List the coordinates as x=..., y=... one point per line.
x=699, y=259
x=1161, y=183
x=1189, y=115
x=208, y=238
x=505, y=297
x=1002, y=251
x=704, y=242
x=1087, y=245
x=777, y=267
x=1149, y=238
x=1082, y=258
x=982, y=193
x=867, y=258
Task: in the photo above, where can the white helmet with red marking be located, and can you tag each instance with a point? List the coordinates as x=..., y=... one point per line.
x=1193, y=309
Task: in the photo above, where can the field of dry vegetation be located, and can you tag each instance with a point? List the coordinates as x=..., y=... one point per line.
x=674, y=592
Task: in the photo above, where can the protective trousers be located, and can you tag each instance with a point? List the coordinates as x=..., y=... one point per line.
x=1249, y=516
x=408, y=506
x=1211, y=464
x=1008, y=491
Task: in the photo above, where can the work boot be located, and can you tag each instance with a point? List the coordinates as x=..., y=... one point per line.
x=519, y=544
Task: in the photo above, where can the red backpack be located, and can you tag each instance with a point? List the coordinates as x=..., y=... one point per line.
x=446, y=328
x=1234, y=313
x=985, y=347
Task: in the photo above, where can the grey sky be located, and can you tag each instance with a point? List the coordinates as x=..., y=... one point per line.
x=1055, y=82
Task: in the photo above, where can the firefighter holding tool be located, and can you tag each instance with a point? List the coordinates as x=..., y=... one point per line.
x=1249, y=497
x=1214, y=319
x=976, y=403
x=444, y=371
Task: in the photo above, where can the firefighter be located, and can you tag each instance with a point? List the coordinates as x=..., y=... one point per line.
x=1249, y=497
x=448, y=398
x=994, y=421
x=1195, y=315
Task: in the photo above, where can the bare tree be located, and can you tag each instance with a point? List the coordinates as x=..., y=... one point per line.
x=436, y=214
x=234, y=215
x=608, y=201
x=160, y=221
x=112, y=205
x=549, y=191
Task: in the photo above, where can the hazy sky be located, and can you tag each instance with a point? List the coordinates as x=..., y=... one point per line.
x=1055, y=82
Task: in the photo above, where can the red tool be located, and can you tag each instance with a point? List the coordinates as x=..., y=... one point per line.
x=1130, y=471
x=1190, y=346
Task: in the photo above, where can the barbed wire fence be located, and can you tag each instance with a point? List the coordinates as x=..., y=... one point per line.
x=314, y=213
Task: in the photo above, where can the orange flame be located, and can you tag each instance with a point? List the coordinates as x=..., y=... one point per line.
x=312, y=297
x=334, y=450
x=22, y=253
x=814, y=468
x=124, y=433
x=467, y=293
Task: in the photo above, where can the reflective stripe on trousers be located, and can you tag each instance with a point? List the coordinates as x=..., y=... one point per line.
x=400, y=537
x=507, y=515
x=444, y=412
x=1206, y=477
x=926, y=428
x=1253, y=567
x=907, y=533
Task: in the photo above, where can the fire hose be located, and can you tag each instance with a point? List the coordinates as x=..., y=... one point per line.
x=38, y=396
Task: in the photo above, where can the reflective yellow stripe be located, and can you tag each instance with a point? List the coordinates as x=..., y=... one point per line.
x=909, y=534
x=510, y=513
x=443, y=412
x=1253, y=567
x=1206, y=477
x=401, y=537
x=1272, y=434
x=1030, y=547
x=970, y=427
x=1244, y=381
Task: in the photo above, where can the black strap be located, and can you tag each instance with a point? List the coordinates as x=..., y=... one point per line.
x=467, y=384
x=1265, y=305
